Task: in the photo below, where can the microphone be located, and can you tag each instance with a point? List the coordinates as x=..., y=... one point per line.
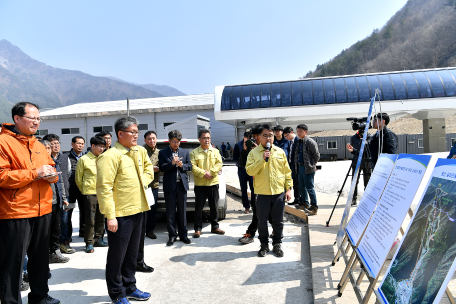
x=268, y=147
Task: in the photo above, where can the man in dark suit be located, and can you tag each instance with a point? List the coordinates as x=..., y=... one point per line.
x=175, y=163
x=294, y=140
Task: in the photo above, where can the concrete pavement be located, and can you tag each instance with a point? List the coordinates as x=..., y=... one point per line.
x=213, y=269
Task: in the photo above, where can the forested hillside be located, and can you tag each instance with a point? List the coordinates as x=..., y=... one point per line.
x=421, y=35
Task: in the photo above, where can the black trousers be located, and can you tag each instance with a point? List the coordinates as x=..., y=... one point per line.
x=152, y=213
x=122, y=255
x=76, y=195
x=274, y=206
x=366, y=178
x=253, y=227
x=212, y=195
x=17, y=237
x=94, y=221
x=244, y=180
x=140, y=258
x=54, y=239
x=296, y=192
x=173, y=200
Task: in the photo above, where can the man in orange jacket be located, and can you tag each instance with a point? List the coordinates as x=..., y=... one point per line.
x=26, y=171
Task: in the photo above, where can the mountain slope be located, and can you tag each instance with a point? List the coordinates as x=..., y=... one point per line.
x=421, y=35
x=24, y=79
x=162, y=89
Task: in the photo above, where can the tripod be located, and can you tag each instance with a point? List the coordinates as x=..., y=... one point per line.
x=367, y=162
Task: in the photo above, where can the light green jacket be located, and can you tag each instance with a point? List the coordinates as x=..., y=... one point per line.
x=272, y=177
x=122, y=178
x=202, y=162
x=86, y=174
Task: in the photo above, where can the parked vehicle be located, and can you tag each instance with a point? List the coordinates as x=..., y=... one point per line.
x=191, y=144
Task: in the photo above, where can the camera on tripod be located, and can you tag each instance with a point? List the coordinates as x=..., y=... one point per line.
x=359, y=124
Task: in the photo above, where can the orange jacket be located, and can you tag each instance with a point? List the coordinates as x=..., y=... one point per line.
x=21, y=196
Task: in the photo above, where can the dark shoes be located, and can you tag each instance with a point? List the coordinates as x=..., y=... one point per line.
x=151, y=235
x=246, y=239
x=312, y=210
x=138, y=295
x=121, y=301
x=264, y=249
x=186, y=240
x=57, y=257
x=171, y=241
x=277, y=249
x=49, y=300
x=66, y=248
x=89, y=249
x=197, y=234
x=302, y=206
x=354, y=203
x=100, y=243
x=142, y=267
x=217, y=231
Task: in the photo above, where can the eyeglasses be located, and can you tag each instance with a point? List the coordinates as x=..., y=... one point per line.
x=268, y=135
x=55, y=144
x=205, y=138
x=133, y=133
x=37, y=119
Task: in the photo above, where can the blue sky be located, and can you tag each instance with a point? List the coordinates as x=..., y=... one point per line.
x=190, y=45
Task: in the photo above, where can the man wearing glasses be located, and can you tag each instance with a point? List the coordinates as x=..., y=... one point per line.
x=175, y=163
x=206, y=165
x=272, y=184
x=26, y=171
x=123, y=174
x=62, y=164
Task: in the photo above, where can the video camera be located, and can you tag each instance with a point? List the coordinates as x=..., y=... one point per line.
x=249, y=143
x=358, y=124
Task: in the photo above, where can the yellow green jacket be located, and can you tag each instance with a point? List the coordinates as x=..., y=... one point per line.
x=272, y=177
x=122, y=178
x=86, y=174
x=202, y=162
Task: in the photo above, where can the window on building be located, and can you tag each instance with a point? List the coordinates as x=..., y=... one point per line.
x=102, y=128
x=331, y=144
x=165, y=124
x=41, y=132
x=143, y=127
x=453, y=141
x=420, y=143
x=70, y=131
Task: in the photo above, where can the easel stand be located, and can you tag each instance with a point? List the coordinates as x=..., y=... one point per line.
x=351, y=264
x=367, y=160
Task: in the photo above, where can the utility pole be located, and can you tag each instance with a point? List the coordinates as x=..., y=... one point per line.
x=128, y=107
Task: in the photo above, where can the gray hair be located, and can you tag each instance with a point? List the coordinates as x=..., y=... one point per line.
x=123, y=123
x=44, y=142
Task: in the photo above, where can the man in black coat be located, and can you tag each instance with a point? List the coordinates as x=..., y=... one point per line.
x=175, y=163
x=294, y=141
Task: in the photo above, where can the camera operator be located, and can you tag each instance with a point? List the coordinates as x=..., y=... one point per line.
x=244, y=178
x=384, y=141
x=355, y=144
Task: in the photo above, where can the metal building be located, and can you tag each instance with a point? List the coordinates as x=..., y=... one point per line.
x=87, y=119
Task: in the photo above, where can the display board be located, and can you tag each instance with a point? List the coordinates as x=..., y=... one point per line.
x=371, y=196
x=344, y=221
x=425, y=261
x=391, y=211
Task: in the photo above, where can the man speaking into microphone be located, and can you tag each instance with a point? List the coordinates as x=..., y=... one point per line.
x=272, y=183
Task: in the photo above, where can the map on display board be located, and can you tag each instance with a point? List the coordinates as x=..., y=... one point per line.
x=425, y=261
x=391, y=211
x=370, y=198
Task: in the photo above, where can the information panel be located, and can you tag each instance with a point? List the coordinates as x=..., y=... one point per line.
x=391, y=210
x=370, y=198
x=425, y=261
